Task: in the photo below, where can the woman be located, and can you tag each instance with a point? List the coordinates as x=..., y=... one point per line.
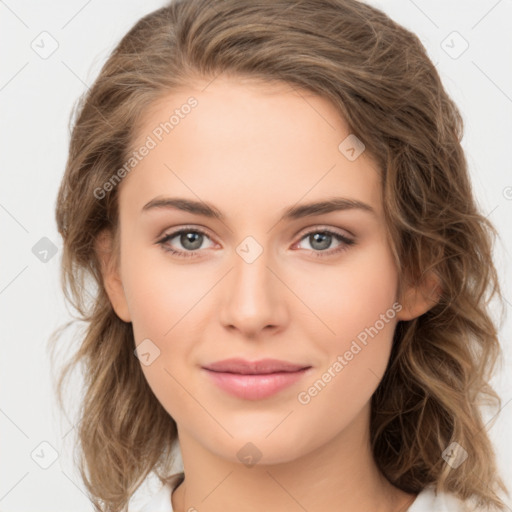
x=291, y=270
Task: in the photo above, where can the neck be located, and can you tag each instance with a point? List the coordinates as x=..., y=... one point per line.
x=338, y=475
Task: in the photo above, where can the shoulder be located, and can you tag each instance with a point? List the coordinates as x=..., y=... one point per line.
x=161, y=501
x=430, y=501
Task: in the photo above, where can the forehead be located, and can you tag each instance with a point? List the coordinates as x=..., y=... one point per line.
x=247, y=144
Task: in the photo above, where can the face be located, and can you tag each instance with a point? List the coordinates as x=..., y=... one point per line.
x=260, y=277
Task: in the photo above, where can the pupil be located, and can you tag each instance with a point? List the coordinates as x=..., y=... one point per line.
x=188, y=241
x=323, y=239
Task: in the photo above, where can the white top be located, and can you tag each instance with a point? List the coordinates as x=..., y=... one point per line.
x=426, y=501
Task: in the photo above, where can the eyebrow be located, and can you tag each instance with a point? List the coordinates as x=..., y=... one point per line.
x=290, y=213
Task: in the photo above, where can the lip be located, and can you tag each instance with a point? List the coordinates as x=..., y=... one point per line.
x=242, y=366
x=254, y=380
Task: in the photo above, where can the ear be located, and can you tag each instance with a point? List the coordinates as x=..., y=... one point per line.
x=105, y=251
x=418, y=299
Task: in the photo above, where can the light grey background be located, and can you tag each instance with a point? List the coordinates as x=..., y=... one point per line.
x=37, y=92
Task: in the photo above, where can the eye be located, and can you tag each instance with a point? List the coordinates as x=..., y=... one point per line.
x=191, y=239
x=321, y=239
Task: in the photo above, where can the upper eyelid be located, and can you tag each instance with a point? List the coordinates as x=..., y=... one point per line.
x=174, y=231
x=321, y=228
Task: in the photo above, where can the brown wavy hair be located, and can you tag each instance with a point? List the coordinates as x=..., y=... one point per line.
x=379, y=77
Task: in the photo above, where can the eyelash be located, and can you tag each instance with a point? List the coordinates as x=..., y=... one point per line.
x=347, y=242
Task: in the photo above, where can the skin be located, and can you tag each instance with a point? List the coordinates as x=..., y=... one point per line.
x=251, y=150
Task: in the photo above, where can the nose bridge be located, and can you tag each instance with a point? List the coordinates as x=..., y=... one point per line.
x=253, y=296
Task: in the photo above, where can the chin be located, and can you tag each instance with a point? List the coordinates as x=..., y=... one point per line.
x=253, y=445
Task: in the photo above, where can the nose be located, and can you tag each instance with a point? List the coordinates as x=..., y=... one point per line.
x=253, y=297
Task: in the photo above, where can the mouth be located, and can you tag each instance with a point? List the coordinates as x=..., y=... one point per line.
x=254, y=381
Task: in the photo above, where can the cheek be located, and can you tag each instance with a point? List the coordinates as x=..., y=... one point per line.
x=358, y=307
x=161, y=294
x=165, y=302
x=352, y=296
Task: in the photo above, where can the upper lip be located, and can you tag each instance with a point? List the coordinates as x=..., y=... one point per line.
x=237, y=365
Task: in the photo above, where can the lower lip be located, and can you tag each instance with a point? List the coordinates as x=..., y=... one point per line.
x=255, y=387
